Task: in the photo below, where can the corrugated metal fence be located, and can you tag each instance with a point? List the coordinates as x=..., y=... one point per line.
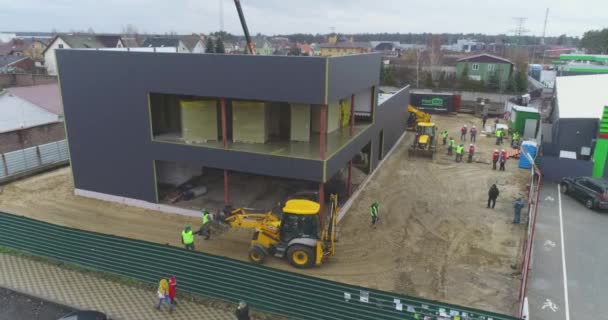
x=21, y=161
x=266, y=289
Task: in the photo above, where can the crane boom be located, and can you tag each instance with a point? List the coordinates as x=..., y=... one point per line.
x=237, y=3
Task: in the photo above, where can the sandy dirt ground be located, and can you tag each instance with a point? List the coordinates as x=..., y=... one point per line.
x=435, y=238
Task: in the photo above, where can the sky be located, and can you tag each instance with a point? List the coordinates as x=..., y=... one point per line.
x=571, y=17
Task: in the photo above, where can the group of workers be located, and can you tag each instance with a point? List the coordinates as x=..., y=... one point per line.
x=188, y=234
x=499, y=157
x=459, y=149
x=518, y=205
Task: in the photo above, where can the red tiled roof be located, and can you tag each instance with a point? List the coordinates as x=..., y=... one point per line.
x=46, y=96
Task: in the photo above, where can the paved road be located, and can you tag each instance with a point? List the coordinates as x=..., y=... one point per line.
x=585, y=234
x=17, y=306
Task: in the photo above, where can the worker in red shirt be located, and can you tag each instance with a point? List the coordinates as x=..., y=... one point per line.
x=471, y=153
x=503, y=159
x=495, y=158
x=463, y=133
x=172, y=284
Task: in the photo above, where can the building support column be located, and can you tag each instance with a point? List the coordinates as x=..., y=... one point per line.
x=225, y=144
x=373, y=102
x=349, y=183
x=352, y=114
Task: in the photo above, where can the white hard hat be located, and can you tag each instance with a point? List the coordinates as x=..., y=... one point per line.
x=495, y=150
x=465, y=125
x=471, y=145
x=503, y=150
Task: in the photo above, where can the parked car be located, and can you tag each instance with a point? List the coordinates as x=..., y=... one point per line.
x=85, y=315
x=593, y=192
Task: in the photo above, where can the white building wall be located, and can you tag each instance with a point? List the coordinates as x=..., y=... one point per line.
x=181, y=48
x=50, y=63
x=199, y=48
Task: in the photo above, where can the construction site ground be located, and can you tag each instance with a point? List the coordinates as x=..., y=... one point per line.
x=435, y=238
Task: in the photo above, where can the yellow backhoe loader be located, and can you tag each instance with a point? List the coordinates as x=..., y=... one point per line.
x=415, y=117
x=292, y=232
x=425, y=141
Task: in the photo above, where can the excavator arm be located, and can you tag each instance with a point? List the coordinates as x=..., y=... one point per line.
x=421, y=116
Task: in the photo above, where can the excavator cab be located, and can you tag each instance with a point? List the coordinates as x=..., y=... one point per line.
x=300, y=220
x=424, y=142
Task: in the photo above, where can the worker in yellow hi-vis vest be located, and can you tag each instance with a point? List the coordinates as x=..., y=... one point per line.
x=188, y=238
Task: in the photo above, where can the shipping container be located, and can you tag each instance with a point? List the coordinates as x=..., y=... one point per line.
x=435, y=101
x=525, y=121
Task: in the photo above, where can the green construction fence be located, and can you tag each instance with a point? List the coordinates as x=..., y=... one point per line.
x=266, y=289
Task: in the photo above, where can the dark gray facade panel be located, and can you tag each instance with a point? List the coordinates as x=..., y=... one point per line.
x=391, y=118
x=270, y=78
x=572, y=134
x=349, y=74
x=256, y=163
x=555, y=168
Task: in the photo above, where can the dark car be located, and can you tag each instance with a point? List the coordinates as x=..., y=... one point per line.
x=593, y=192
x=85, y=315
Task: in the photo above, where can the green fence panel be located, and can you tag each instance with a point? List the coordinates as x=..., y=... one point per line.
x=270, y=290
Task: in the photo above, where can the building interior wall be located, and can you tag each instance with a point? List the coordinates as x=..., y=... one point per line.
x=250, y=122
x=199, y=120
x=300, y=122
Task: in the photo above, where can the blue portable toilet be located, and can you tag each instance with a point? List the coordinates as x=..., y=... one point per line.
x=529, y=147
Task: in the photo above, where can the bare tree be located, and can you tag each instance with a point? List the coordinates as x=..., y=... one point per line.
x=90, y=31
x=129, y=30
x=435, y=55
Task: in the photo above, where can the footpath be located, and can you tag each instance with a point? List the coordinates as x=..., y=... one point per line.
x=84, y=291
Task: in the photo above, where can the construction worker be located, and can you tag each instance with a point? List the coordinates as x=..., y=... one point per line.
x=503, y=159
x=188, y=238
x=484, y=118
x=451, y=145
x=515, y=140
x=492, y=195
x=459, y=151
x=498, y=133
x=463, y=133
x=205, y=230
x=502, y=136
x=495, y=156
x=373, y=212
x=444, y=135
x=471, y=153
x=517, y=206
x=473, y=134
x=242, y=311
x=496, y=122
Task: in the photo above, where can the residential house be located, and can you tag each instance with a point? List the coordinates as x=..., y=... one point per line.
x=339, y=47
x=30, y=116
x=131, y=41
x=262, y=46
x=166, y=42
x=199, y=122
x=73, y=41
x=306, y=49
x=31, y=48
x=16, y=64
x=194, y=43
x=387, y=48
x=464, y=45
x=482, y=67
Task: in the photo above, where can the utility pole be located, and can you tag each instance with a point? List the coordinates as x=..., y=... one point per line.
x=221, y=15
x=520, y=28
x=542, y=40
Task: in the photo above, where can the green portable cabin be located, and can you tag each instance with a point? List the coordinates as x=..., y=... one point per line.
x=525, y=121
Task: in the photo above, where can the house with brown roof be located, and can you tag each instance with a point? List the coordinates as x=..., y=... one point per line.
x=72, y=41
x=31, y=48
x=16, y=64
x=339, y=46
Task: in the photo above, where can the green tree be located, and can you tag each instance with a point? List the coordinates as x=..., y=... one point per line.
x=294, y=51
x=521, y=81
x=493, y=82
x=209, y=46
x=428, y=81
x=387, y=76
x=219, y=46
x=595, y=41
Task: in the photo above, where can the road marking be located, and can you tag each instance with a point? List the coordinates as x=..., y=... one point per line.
x=549, y=245
x=549, y=198
x=561, y=231
x=549, y=304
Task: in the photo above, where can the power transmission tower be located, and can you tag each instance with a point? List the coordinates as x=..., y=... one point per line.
x=542, y=40
x=520, y=28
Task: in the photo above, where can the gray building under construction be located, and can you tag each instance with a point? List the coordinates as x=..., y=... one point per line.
x=148, y=128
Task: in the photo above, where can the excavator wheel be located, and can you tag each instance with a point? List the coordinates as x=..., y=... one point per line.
x=301, y=256
x=257, y=255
